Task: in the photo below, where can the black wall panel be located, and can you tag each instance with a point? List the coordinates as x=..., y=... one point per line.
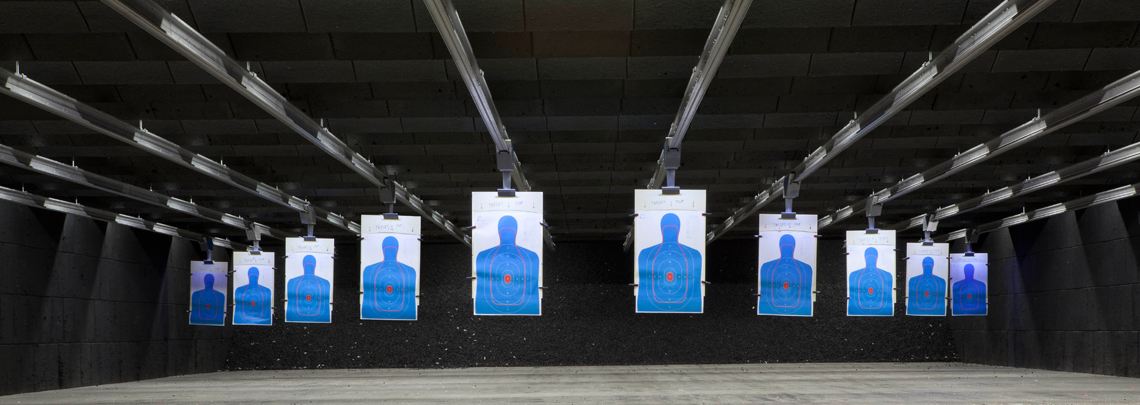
x=1064, y=294
x=84, y=303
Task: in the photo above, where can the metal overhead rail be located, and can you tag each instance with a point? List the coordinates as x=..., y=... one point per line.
x=76, y=175
x=724, y=29
x=185, y=40
x=1111, y=95
x=455, y=37
x=1127, y=154
x=1102, y=197
x=1008, y=16
x=46, y=98
x=52, y=204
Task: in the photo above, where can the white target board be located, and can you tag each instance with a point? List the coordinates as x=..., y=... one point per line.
x=308, y=280
x=506, y=253
x=669, y=251
x=389, y=268
x=208, y=285
x=969, y=284
x=927, y=269
x=871, y=273
x=786, y=276
x=253, y=288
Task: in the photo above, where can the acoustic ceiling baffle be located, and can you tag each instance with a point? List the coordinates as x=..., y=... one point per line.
x=1111, y=95
x=455, y=37
x=716, y=46
x=52, y=204
x=48, y=99
x=76, y=175
x=185, y=40
x=1102, y=197
x=1127, y=154
x=1007, y=17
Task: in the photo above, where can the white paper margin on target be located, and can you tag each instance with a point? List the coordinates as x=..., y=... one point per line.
x=323, y=250
x=958, y=262
x=650, y=205
x=406, y=230
x=486, y=209
x=220, y=270
x=804, y=229
x=940, y=252
x=857, y=244
x=265, y=263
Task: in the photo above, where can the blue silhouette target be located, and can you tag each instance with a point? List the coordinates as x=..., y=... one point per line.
x=309, y=295
x=253, y=302
x=969, y=294
x=785, y=283
x=207, y=305
x=507, y=275
x=669, y=273
x=253, y=291
x=926, y=293
x=870, y=289
x=389, y=286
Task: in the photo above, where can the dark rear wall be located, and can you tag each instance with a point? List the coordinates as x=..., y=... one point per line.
x=1064, y=294
x=86, y=303
x=588, y=319
x=83, y=303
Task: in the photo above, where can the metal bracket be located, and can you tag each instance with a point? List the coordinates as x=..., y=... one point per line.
x=873, y=210
x=208, y=246
x=928, y=225
x=388, y=196
x=253, y=234
x=505, y=162
x=791, y=191
x=971, y=238
x=671, y=162
x=309, y=219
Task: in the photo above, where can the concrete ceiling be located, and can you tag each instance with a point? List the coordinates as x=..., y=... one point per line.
x=587, y=89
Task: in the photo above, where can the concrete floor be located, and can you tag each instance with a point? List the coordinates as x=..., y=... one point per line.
x=831, y=382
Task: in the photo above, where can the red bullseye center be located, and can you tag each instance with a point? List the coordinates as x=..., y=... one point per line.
x=308, y=298
x=252, y=304
x=870, y=290
x=507, y=279
x=927, y=293
x=389, y=288
x=969, y=295
x=207, y=306
x=786, y=286
x=669, y=276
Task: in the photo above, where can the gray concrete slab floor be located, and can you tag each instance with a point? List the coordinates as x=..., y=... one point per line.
x=740, y=383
